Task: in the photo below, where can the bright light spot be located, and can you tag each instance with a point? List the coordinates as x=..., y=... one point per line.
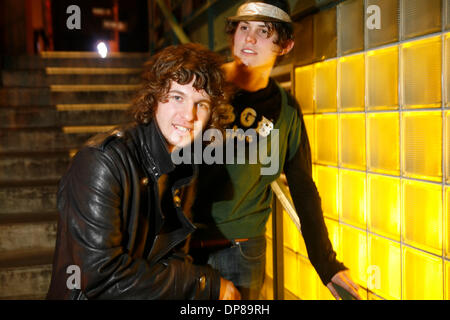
x=102, y=49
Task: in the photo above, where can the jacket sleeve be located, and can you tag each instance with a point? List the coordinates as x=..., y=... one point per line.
x=298, y=170
x=91, y=199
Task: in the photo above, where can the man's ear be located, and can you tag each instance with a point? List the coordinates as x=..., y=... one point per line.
x=287, y=48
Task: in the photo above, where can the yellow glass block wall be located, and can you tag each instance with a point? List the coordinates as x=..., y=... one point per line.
x=378, y=121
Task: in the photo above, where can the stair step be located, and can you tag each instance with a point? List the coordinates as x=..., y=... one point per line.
x=50, y=105
x=28, y=197
x=85, y=60
x=25, y=274
x=27, y=231
x=53, y=116
x=44, y=78
x=92, y=54
x=46, y=139
x=41, y=296
x=33, y=166
x=66, y=95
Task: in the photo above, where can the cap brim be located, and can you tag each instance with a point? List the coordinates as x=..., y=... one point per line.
x=255, y=18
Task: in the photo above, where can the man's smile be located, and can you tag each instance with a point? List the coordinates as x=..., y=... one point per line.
x=182, y=129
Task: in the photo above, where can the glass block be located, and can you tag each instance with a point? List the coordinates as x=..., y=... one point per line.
x=447, y=222
x=447, y=150
x=350, y=17
x=389, y=22
x=422, y=145
x=291, y=235
x=303, y=33
x=302, y=247
x=383, y=138
x=324, y=293
x=352, y=153
x=304, y=88
x=420, y=17
x=383, y=197
x=269, y=258
x=326, y=139
x=354, y=253
x=352, y=197
x=422, y=215
x=325, y=34
x=421, y=73
x=325, y=94
x=382, y=79
x=309, y=123
x=269, y=227
x=291, y=271
x=267, y=289
x=314, y=175
x=327, y=185
x=333, y=235
x=447, y=14
x=447, y=68
x=308, y=280
x=351, y=83
x=422, y=276
x=384, y=268
x=447, y=276
x=371, y=296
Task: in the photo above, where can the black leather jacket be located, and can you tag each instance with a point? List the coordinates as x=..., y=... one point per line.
x=112, y=227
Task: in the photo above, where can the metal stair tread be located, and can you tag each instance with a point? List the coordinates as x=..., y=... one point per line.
x=61, y=150
x=22, y=218
x=74, y=59
x=58, y=88
x=90, y=55
x=26, y=297
x=34, y=154
x=28, y=183
x=49, y=129
x=49, y=71
x=26, y=258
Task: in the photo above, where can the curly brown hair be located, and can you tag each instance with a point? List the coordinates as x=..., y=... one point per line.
x=182, y=63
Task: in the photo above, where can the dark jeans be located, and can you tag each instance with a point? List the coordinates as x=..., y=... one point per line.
x=243, y=264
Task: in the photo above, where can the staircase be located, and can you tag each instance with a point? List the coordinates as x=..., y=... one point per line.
x=49, y=106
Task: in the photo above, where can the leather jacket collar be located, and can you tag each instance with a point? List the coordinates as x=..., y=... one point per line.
x=157, y=157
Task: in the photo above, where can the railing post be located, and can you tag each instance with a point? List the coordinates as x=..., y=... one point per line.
x=176, y=27
x=277, y=247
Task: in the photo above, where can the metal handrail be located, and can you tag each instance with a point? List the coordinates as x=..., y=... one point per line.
x=281, y=201
x=282, y=193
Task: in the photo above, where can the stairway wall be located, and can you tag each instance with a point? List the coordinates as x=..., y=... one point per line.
x=49, y=106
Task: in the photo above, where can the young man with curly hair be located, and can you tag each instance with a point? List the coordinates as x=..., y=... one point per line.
x=123, y=202
x=234, y=213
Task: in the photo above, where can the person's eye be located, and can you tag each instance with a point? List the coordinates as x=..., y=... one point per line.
x=203, y=105
x=177, y=98
x=244, y=28
x=264, y=33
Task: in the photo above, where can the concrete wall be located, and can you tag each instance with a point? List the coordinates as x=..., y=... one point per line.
x=12, y=27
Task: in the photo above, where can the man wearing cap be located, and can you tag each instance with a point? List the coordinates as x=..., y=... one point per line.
x=232, y=215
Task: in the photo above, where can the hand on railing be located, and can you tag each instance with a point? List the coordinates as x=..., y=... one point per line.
x=346, y=283
x=228, y=291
